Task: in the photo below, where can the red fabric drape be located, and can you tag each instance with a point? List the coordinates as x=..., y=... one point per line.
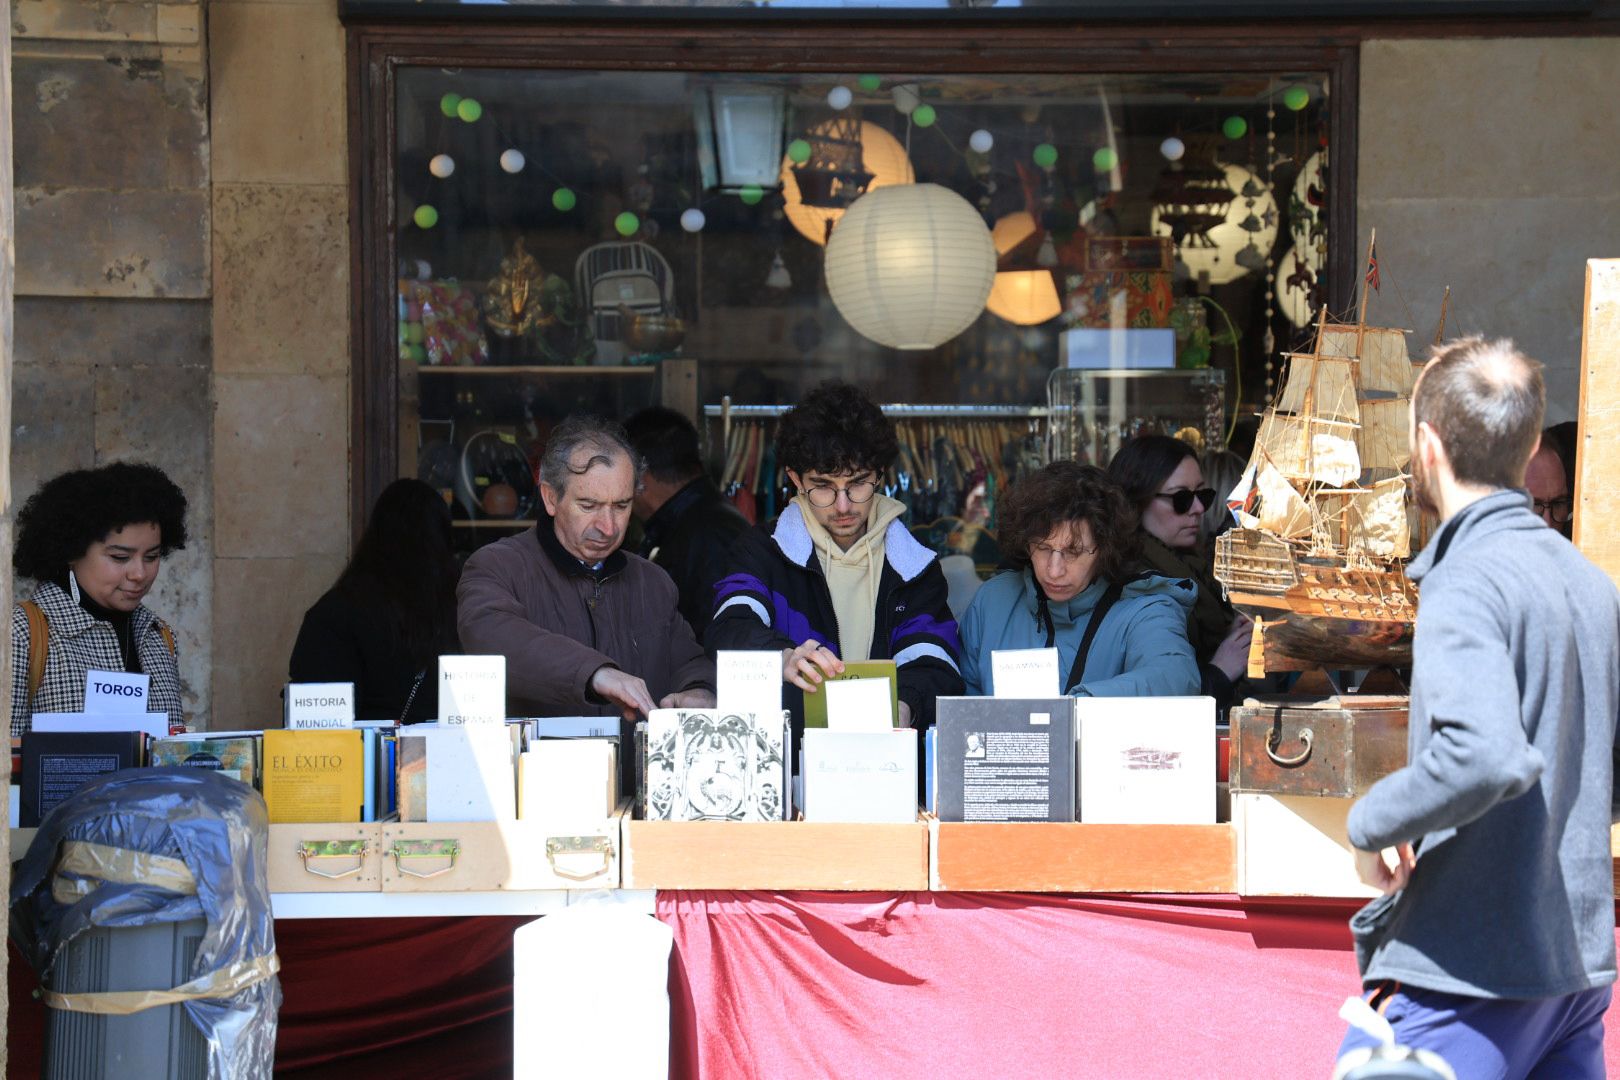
x=938, y=986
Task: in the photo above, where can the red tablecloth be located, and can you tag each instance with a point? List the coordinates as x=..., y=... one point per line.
x=935, y=985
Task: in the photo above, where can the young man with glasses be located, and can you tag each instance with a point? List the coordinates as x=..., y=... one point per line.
x=839, y=578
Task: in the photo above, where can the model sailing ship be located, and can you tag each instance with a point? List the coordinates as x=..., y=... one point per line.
x=1324, y=523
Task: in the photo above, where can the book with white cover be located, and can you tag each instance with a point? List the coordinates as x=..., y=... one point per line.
x=1146, y=761
x=466, y=772
x=711, y=765
x=568, y=780
x=860, y=776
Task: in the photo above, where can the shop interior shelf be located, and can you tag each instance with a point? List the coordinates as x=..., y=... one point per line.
x=526, y=369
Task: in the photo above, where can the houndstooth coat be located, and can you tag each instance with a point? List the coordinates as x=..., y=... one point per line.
x=81, y=643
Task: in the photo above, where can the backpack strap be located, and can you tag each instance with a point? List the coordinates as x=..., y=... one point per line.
x=39, y=644
x=1077, y=672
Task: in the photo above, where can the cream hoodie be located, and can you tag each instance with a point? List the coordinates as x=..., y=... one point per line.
x=853, y=575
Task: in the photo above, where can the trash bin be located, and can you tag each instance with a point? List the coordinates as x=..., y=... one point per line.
x=144, y=907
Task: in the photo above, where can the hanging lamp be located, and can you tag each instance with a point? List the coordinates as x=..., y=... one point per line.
x=910, y=266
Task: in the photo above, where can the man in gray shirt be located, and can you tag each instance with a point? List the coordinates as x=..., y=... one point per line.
x=1493, y=944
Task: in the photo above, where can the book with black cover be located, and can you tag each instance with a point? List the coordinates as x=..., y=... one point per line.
x=55, y=764
x=1005, y=759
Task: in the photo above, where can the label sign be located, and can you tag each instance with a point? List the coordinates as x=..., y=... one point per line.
x=115, y=692
x=320, y=706
x=748, y=682
x=1025, y=673
x=472, y=689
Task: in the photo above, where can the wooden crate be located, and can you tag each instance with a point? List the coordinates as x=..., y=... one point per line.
x=1334, y=747
x=335, y=858
x=1077, y=857
x=1293, y=845
x=775, y=855
x=490, y=856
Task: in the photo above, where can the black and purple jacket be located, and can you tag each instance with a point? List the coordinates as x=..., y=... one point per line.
x=776, y=597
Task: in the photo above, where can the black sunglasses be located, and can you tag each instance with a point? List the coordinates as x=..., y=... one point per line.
x=1181, y=501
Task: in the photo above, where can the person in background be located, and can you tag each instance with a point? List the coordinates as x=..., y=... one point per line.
x=1550, y=477
x=93, y=541
x=1068, y=531
x=1163, y=482
x=1493, y=944
x=688, y=527
x=392, y=613
x=840, y=578
x=586, y=629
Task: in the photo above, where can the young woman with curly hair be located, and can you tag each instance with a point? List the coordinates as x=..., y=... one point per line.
x=1070, y=536
x=93, y=541
x=839, y=577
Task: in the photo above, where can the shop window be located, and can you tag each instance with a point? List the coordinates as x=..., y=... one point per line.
x=571, y=240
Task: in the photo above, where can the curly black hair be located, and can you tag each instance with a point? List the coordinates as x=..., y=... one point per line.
x=836, y=429
x=60, y=521
x=1063, y=492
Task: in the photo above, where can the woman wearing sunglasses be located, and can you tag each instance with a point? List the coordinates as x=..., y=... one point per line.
x=1163, y=481
x=1069, y=535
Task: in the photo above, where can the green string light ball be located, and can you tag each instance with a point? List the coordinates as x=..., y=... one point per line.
x=425, y=216
x=924, y=116
x=448, y=105
x=751, y=194
x=626, y=224
x=469, y=110
x=1235, y=127
x=1296, y=98
x=1045, y=155
x=869, y=83
x=563, y=199
x=799, y=151
x=1105, y=159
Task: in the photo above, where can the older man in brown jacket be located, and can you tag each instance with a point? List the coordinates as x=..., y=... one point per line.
x=586, y=629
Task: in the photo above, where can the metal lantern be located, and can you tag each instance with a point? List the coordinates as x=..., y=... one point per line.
x=911, y=266
x=740, y=133
x=881, y=155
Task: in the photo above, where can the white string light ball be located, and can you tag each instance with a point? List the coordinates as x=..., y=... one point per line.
x=910, y=266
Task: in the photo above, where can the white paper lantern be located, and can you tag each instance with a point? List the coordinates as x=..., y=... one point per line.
x=513, y=160
x=910, y=266
x=1216, y=252
x=981, y=141
x=693, y=220
x=442, y=165
x=839, y=97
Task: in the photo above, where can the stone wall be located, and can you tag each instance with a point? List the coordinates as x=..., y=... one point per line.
x=281, y=336
x=112, y=350
x=1490, y=165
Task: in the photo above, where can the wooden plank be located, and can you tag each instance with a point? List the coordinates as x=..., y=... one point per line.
x=322, y=869
x=982, y=857
x=678, y=389
x=1597, y=461
x=774, y=855
x=493, y=856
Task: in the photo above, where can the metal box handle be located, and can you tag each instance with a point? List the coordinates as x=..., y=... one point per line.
x=424, y=849
x=311, y=850
x=558, y=847
x=1305, y=737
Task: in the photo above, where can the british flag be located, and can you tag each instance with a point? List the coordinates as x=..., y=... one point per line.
x=1372, y=267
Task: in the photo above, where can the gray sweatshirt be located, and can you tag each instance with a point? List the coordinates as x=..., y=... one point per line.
x=1509, y=790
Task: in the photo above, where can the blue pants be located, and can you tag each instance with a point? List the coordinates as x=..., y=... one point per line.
x=1558, y=1038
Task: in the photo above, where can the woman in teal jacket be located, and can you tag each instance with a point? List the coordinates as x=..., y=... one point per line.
x=1069, y=533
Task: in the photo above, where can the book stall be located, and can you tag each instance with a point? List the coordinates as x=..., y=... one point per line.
x=1069, y=864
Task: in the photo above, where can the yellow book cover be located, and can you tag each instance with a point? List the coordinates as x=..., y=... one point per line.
x=313, y=775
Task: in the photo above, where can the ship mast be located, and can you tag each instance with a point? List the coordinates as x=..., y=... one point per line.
x=1440, y=331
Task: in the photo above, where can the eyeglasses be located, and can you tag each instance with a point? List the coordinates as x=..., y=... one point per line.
x=1181, y=501
x=1560, y=509
x=1065, y=555
x=824, y=495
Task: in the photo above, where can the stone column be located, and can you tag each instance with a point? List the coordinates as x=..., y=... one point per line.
x=281, y=335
